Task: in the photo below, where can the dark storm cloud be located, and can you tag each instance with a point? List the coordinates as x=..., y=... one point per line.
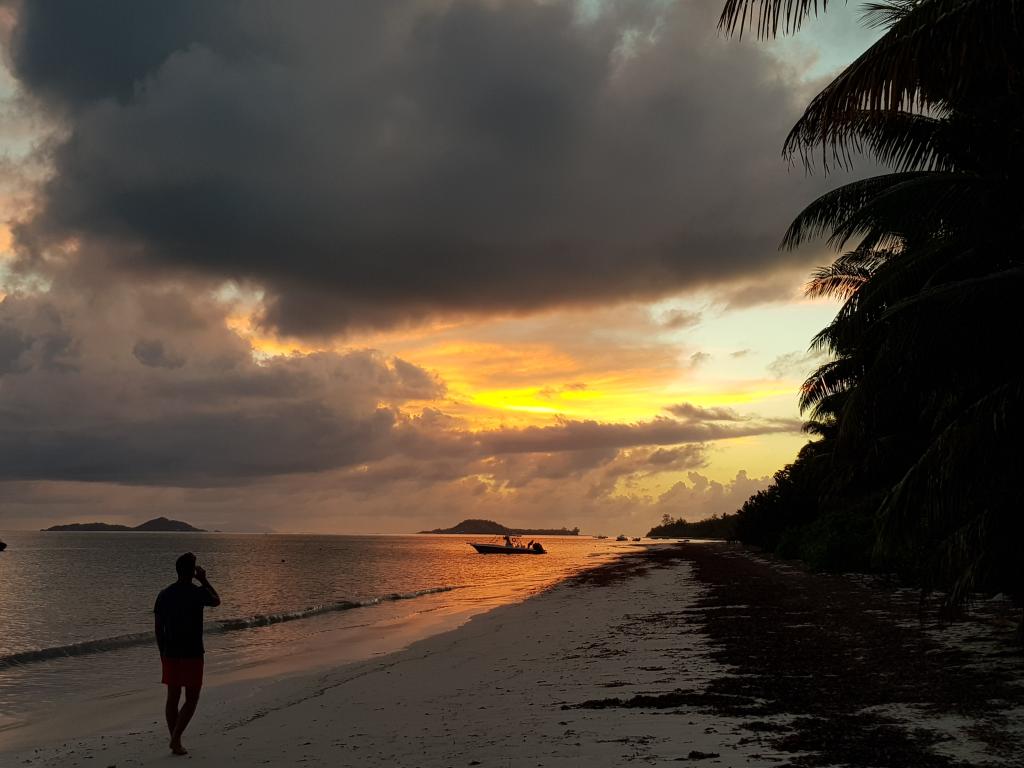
x=13, y=345
x=74, y=54
x=94, y=388
x=34, y=337
x=376, y=163
x=83, y=399
x=153, y=353
x=198, y=449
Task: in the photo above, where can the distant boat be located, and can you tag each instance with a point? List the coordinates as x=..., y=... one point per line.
x=2, y=546
x=601, y=536
x=622, y=537
x=504, y=549
x=636, y=538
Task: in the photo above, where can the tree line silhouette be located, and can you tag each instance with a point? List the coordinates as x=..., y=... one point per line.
x=715, y=527
x=916, y=466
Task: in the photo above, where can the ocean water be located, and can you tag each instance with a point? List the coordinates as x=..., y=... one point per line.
x=76, y=608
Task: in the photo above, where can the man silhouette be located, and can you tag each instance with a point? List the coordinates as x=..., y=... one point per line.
x=179, y=635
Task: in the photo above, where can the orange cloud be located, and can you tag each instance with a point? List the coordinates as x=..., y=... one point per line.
x=610, y=366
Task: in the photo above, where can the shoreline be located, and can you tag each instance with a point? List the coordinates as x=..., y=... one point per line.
x=701, y=652
x=289, y=618
x=335, y=639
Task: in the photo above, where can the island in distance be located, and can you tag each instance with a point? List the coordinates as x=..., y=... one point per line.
x=489, y=527
x=156, y=524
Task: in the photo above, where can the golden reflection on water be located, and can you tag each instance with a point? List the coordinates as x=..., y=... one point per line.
x=52, y=581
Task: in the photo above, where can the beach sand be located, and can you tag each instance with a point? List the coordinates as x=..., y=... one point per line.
x=703, y=653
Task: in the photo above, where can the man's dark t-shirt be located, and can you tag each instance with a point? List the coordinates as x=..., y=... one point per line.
x=180, y=608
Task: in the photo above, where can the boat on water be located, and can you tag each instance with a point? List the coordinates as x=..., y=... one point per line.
x=636, y=538
x=510, y=546
x=622, y=537
x=2, y=546
x=501, y=549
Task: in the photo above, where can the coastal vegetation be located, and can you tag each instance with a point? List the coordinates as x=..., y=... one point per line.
x=714, y=527
x=913, y=467
x=491, y=528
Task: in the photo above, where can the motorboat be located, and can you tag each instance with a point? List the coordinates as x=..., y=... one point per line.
x=501, y=549
x=510, y=546
x=622, y=537
x=2, y=546
x=636, y=538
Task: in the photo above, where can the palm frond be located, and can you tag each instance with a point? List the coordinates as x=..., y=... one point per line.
x=768, y=17
x=884, y=210
x=902, y=141
x=834, y=377
x=928, y=60
x=824, y=428
x=829, y=409
x=900, y=274
x=836, y=281
x=831, y=210
x=885, y=14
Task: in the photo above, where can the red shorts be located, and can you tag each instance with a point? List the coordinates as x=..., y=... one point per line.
x=186, y=673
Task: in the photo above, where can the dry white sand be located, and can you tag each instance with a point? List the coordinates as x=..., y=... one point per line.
x=489, y=693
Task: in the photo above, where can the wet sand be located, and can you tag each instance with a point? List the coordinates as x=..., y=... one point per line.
x=700, y=653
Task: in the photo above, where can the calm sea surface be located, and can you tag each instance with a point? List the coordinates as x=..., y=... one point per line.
x=76, y=608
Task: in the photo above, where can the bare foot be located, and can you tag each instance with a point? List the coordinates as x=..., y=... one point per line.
x=177, y=749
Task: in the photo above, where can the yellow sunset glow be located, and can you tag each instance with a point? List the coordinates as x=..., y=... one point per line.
x=265, y=345
x=548, y=380
x=495, y=379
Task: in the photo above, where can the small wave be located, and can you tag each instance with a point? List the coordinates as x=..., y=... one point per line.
x=76, y=649
x=118, y=642
x=265, y=619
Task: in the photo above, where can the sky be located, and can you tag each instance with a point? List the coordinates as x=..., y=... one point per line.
x=379, y=267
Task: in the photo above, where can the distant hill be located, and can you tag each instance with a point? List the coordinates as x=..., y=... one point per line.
x=89, y=527
x=491, y=528
x=156, y=524
x=164, y=524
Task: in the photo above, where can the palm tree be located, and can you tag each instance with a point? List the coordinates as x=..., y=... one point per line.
x=921, y=399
